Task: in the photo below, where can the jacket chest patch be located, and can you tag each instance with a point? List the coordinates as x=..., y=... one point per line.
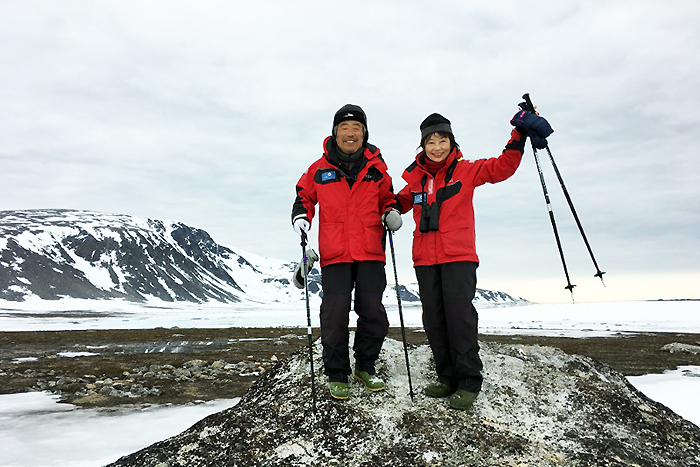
x=420, y=198
x=326, y=176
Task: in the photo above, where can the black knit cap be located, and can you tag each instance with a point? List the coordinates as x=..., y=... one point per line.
x=351, y=112
x=434, y=123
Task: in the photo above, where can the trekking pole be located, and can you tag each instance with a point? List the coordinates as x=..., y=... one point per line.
x=308, y=320
x=403, y=330
x=598, y=273
x=569, y=286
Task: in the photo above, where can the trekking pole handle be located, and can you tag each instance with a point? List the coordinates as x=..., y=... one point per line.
x=528, y=103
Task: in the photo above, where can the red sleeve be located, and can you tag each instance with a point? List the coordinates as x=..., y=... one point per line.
x=405, y=200
x=500, y=168
x=306, y=199
x=389, y=200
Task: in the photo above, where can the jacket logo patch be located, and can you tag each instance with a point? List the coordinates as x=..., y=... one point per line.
x=419, y=198
x=326, y=176
x=373, y=175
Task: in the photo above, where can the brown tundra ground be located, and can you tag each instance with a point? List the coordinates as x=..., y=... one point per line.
x=102, y=368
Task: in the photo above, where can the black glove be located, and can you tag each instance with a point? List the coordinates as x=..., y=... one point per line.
x=537, y=127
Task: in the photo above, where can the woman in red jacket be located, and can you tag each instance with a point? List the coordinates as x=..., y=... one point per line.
x=440, y=187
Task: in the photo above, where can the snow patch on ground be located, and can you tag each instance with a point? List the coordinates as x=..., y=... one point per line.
x=36, y=431
x=677, y=389
x=563, y=320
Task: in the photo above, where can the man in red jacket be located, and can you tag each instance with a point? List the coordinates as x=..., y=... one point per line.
x=355, y=196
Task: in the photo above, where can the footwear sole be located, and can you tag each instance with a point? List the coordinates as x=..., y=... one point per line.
x=341, y=390
x=363, y=383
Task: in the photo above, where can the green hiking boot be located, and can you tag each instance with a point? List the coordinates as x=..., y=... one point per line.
x=438, y=390
x=338, y=390
x=462, y=400
x=371, y=382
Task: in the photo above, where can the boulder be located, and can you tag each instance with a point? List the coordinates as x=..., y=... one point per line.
x=539, y=407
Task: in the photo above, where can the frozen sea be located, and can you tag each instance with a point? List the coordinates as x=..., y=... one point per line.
x=36, y=431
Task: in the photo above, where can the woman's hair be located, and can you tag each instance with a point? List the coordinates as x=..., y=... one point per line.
x=450, y=136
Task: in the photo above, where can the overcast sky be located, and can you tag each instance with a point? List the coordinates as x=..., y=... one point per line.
x=209, y=112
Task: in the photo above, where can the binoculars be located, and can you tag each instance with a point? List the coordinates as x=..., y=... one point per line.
x=429, y=218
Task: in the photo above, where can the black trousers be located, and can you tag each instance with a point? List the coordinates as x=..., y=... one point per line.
x=338, y=280
x=451, y=322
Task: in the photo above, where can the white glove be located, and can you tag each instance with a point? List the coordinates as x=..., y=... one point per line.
x=301, y=225
x=392, y=219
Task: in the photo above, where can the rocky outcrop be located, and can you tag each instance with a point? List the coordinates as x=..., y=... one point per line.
x=139, y=382
x=539, y=407
x=677, y=347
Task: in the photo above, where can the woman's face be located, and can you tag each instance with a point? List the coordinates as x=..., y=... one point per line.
x=437, y=147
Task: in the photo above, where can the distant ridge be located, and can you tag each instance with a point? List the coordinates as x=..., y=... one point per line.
x=56, y=253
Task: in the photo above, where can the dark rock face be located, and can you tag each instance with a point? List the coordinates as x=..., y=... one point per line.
x=55, y=253
x=539, y=407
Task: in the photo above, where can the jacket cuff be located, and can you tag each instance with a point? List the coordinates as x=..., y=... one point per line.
x=517, y=141
x=300, y=216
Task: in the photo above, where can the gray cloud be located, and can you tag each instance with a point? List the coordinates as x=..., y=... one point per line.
x=209, y=113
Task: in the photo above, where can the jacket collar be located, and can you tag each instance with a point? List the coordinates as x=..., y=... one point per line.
x=419, y=163
x=371, y=152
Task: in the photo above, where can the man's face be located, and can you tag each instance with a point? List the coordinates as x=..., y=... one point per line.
x=349, y=136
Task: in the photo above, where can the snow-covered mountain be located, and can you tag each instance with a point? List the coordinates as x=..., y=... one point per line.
x=52, y=254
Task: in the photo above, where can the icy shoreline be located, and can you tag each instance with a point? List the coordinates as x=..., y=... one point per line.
x=565, y=320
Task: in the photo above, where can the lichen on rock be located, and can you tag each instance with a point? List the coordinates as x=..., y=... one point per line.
x=539, y=407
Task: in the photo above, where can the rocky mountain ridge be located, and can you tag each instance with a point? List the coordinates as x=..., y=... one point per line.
x=55, y=253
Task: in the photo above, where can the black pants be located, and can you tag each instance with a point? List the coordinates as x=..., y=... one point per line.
x=451, y=322
x=369, y=281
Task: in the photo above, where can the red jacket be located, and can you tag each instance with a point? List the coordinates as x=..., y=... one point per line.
x=452, y=188
x=349, y=224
